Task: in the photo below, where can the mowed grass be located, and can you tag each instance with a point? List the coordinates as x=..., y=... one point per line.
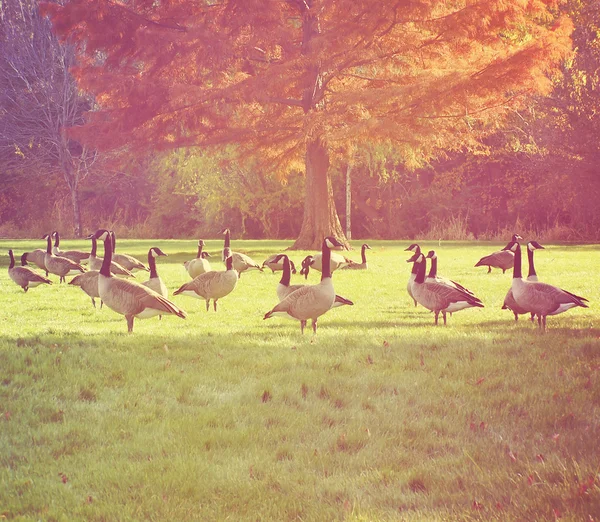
x=224, y=416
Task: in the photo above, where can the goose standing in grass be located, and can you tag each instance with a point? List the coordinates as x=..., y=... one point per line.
x=540, y=298
x=284, y=288
x=38, y=256
x=126, y=261
x=312, y=301
x=60, y=266
x=199, y=265
x=275, y=263
x=155, y=282
x=241, y=262
x=74, y=255
x=503, y=259
x=211, y=285
x=24, y=276
x=416, y=249
x=509, y=300
x=353, y=265
x=432, y=277
x=129, y=298
x=88, y=282
x=439, y=297
x=96, y=262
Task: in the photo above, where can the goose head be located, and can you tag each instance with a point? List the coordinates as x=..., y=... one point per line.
x=413, y=248
x=155, y=252
x=431, y=254
x=101, y=234
x=516, y=237
x=414, y=257
x=24, y=259
x=512, y=246
x=333, y=243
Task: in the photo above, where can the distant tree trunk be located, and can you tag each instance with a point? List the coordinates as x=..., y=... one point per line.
x=76, y=211
x=320, y=215
x=348, y=202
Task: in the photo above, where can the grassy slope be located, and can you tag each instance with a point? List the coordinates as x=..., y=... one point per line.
x=226, y=416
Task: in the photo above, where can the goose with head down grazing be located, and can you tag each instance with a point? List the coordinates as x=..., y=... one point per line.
x=60, y=266
x=211, y=285
x=311, y=301
x=95, y=262
x=199, y=265
x=540, y=298
x=24, y=276
x=241, y=262
x=502, y=259
x=88, y=282
x=509, y=300
x=74, y=255
x=126, y=261
x=126, y=297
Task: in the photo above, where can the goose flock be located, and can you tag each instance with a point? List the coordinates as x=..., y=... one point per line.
x=110, y=279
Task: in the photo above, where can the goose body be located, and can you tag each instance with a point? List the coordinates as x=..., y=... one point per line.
x=337, y=261
x=541, y=299
x=95, y=262
x=311, y=301
x=509, y=300
x=284, y=288
x=241, y=262
x=439, y=297
x=126, y=261
x=353, y=265
x=416, y=249
x=88, y=282
x=77, y=256
x=211, y=285
x=38, y=257
x=503, y=259
x=24, y=276
x=129, y=298
x=60, y=266
x=199, y=265
x=275, y=263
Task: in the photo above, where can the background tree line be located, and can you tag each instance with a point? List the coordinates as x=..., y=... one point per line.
x=538, y=171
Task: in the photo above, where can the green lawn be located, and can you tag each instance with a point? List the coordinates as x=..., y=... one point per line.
x=224, y=416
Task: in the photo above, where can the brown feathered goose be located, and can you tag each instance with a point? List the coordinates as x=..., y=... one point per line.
x=439, y=297
x=24, y=276
x=416, y=249
x=241, y=262
x=126, y=261
x=88, y=282
x=60, y=266
x=199, y=265
x=310, y=302
x=74, y=255
x=509, y=300
x=95, y=262
x=275, y=263
x=211, y=285
x=539, y=298
x=353, y=265
x=38, y=256
x=155, y=282
x=126, y=297
x=502, y=259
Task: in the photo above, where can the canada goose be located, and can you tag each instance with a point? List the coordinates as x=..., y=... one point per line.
x=433, y=277
x=129, y=298
x=539, y=298
x=74, y=255
x=96, y=262
x=353, y=265
x=60, y=266
x=88, y=282
x=502, y=259
x=241, y=262
x=336, y=260
x=509, y=300
x=155, y=282
x=211, y=285
x=416, y=249
x=275, y=263
x=438, y=297
x=312, y=301
x=38, y=256
x=199, y=264
x=24, y=276
x=284, y=288
x=126, y=261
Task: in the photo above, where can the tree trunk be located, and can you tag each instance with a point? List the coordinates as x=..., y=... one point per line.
x=76, y=211
x=320, y=215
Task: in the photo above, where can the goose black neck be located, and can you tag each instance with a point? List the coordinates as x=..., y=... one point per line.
x=49, y=245
x=152, y=265
x=363, y=255
x=517, y=264
x=199, y=254
x=415, y=268
x=108, y=246
x=325, y=261
x=227, y=239
x=229, y=263
x=287, y=270
x=56, y=239
x=12, y=259
x=94, y=247
x=421, y=267
x=530, y=259
x=433, y=269
x=24, y=259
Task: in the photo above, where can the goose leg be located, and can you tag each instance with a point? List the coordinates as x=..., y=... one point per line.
x=516, y=316
x=489, y=269
x=436, y=317
x=160, y=317
x=129, y=323
x=302, y=325
x=539, y=321
x=444, y=316
x=215, y=304
x=532, y=317
x=101, y=303
x=94, y=302
x=415, y=302
x=207, y=304
x=544, y=323
x=25, y=288
x=314, y=325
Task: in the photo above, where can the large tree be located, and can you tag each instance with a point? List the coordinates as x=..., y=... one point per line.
x=296, y=81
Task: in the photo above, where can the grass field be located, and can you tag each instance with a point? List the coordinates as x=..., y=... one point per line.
x=224, y=416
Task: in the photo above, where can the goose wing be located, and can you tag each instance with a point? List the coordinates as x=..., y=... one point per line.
x=201, y=285
x=499, y=259
x=131, y=298
x=546, y=298
x=23, y=275
x=243, y=262
x=307, y=302
x=436, y=296
x=129, y=262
